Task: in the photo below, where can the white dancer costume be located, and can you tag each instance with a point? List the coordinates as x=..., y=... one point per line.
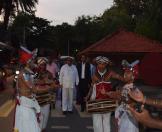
x=45, y=110
x=25, y=118
x=126, y=123
x=101, y=122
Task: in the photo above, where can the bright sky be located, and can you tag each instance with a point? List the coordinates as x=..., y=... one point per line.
x=60, y=11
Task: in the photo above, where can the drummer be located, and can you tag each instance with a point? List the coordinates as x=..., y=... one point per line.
x=44, y=85
x=98, y=91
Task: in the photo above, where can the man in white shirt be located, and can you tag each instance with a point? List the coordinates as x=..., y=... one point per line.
x=84, y=72
x=68, y=80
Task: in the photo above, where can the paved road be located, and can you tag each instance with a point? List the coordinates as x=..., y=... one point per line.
x=76, y=122
x=81, y=122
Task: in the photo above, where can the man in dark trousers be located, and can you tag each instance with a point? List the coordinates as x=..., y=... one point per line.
x=84, y=72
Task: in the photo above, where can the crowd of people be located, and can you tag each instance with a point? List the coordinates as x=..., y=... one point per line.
x=37, y=79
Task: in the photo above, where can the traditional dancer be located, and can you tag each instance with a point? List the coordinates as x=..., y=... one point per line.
x=100, y=86
x=27, y=109
x=44, y=85
x=125, y=121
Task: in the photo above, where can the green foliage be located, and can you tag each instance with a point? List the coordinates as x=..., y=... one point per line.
x=32, y=31
x=88, y=30
x=141, y=16
x=115, y=18
x=9, y=8
x=147, y=16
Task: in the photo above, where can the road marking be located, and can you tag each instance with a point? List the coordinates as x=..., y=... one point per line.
x=6, y=108
x=60, y=127
x=90, y=127
x=82, y=114
x=57, y=113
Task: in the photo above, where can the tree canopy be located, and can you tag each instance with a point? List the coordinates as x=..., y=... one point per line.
x=141, y=16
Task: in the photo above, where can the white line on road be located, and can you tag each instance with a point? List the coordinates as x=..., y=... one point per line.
x=89, y=127
x=60, y=127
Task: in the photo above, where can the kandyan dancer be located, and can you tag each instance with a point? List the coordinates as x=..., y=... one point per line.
x=100, y=82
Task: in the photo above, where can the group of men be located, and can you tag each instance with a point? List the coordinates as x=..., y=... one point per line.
x=35, y=83
x=75, y=76
x=94, y=88
x=131, y=100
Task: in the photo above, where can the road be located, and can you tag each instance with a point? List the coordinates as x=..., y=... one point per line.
x=76, y=122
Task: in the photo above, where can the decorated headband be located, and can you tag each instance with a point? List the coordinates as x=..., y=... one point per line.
x=133, y=67
x=102, y=59
x=42, y=60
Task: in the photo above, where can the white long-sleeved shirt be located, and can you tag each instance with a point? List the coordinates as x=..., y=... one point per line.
x=83, y=71
x=68, y=76
x=53, y=69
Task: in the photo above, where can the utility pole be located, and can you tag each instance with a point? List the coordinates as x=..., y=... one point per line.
x=68, y=48
x=24, y=37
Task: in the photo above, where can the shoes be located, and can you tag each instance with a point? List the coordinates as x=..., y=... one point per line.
x=70, y=112
x=82, y=109
x=64, y=112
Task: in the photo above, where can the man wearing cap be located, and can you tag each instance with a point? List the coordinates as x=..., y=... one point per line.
x=68, y=80
x=100, y=86
x=27, y=107
x=44, y=85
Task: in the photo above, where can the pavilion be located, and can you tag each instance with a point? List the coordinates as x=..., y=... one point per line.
x=124, y=44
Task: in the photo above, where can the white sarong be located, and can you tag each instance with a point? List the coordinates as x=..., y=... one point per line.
x=101, y=122
x=45, y=110
x=126, y=123
x=25, y=118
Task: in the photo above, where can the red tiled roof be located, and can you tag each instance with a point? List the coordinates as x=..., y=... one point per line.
x=124, y=41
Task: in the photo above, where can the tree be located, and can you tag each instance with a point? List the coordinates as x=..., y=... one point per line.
x=133, y=7
x=147, y=16
x=64, y=35
x=115, y=18
x=32, y=31
x=88, y=30
x=7, y=7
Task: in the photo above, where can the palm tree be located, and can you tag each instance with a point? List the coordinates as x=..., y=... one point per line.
x=9, y=6
x=1, y=6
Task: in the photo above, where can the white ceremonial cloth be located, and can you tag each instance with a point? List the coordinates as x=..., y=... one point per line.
x=25, y=118
x=45, y=110
x=126, y=122
x=101, y=122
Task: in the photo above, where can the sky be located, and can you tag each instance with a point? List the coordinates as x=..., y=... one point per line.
x=59, y=11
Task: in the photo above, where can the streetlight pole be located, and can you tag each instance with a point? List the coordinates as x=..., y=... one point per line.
x=24, y=35
x=68, y=48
